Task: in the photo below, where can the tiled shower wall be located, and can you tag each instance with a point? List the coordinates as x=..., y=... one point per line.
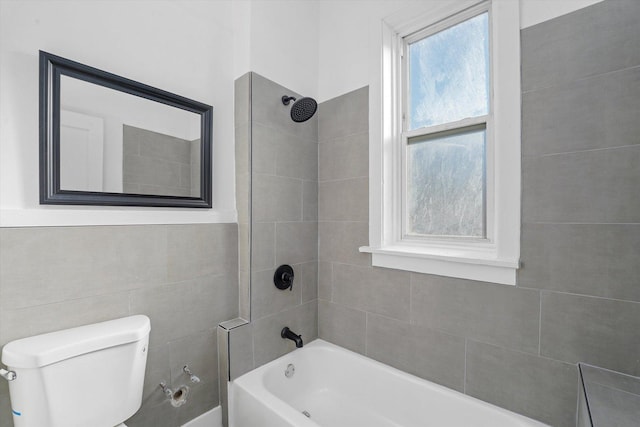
x=184, y=277
x=277, y=166
x=578, y=292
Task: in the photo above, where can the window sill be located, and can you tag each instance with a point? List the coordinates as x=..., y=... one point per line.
x=473, y=266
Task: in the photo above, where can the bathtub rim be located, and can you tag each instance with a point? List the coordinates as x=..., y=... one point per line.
x=253, y=384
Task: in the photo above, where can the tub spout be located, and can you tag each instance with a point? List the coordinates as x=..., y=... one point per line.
x=288, y=334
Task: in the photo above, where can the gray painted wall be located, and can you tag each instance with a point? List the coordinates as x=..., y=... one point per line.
x=184, y=277
x=578, y=293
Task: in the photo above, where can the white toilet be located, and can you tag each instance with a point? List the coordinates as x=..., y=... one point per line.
x=91, y=376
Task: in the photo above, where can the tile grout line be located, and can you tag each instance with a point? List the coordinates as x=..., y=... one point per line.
x=464, y=377
x=366, y=329
x=579, y=79
x=540, y=324
x=552, y=291
x=588, y=150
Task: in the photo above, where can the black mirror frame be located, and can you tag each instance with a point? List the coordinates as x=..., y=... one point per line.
x=51, y=68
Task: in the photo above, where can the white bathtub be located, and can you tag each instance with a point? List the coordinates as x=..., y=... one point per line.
x=339, y=388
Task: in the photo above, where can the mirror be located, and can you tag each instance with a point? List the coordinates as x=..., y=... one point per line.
x=108, y=140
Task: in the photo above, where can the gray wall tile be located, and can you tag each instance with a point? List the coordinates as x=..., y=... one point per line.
x=533, y=386
x=5, y=407
x=276, y=152
x=276, y=198
x=241, y=347
x=594, y=113
x=596, y=331
x=157, y=175
x=588, y=186
x=42, y=265
x=296, y=242
x=612, y=407
x=199, y=352
x=223, y=372
x=376, y=290
x=243, y=198
x=325, y=280
x=497, y=314
x=346, y=157
x=583, y=417
x=344, y=200
x=242, y=149
x=244, y=284
x=614, y=398
x=209, y=300
x=186, y=308
x=198, y=250
x=269, y=345
x=310, y=201
x=198, y=403
x=159, y=146
x=606, y=377
x=589, y=259
x=196, y=161
x=345, y=115
x=107, y=272
x=244, y=253
x=308, y=280
x=263, y=245
x=266, y=299
x=342, y=326
x=40, y=319
x=562, y=49
x=429, y=354
x=297, y=159
x=263, y=150
x=159, y=415
x=339, y=242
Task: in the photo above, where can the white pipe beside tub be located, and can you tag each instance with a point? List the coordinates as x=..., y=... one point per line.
x=334, y=387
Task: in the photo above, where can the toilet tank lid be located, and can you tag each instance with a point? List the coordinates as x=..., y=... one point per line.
x=45, y=349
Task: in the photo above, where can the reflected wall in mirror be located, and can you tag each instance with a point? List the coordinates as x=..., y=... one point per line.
x=107, y=140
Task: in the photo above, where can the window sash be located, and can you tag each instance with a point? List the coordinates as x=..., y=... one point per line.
x=400, y=228
x=477, y=124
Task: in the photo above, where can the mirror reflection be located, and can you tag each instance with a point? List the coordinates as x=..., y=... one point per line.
x=112, y=141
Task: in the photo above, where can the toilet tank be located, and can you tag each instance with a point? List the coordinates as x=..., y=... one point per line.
x=92, y=375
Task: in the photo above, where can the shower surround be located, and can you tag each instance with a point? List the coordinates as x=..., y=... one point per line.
x=577, y=297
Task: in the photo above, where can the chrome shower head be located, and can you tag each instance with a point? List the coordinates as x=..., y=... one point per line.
x=302, y=109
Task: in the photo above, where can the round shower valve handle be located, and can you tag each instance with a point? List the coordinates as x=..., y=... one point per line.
x=283, y=277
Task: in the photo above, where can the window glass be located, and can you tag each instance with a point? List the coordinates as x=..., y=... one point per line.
x=446, y=184
x=449, y=74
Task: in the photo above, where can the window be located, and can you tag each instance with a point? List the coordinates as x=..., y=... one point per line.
x=446, y=106
x=445, y=156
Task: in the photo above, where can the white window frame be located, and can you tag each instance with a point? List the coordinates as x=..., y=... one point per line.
x=496, y=258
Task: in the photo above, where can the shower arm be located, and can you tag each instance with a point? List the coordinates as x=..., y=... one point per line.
x=287, y=99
